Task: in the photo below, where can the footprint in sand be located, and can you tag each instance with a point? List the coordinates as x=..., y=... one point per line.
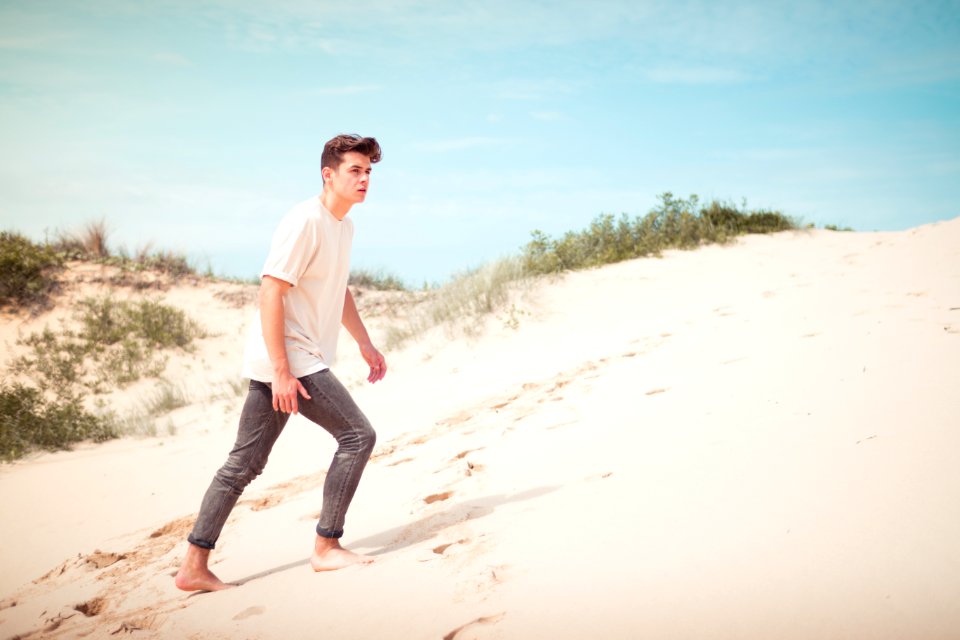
x=102, y=559
x=464, y=454
x=440, y=549
x=265, y=502
x=277, y=493
x=479, y=621
x=91, y=608
x=438, y=497
x=248, y=612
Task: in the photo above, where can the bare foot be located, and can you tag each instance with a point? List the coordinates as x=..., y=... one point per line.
x=194, y=574
x=328, y=555
x=187, y=580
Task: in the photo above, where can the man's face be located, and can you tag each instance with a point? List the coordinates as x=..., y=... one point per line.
x=350, y=180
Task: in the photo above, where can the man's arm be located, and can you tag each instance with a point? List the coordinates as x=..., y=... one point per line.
x=285, y=386
x=354, y=325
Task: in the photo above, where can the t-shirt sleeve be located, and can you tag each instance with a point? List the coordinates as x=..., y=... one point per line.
x=294, y=245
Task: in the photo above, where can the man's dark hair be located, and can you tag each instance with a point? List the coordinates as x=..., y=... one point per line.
x=345, y=143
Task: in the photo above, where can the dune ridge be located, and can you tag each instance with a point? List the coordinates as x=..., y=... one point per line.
x=753, y=440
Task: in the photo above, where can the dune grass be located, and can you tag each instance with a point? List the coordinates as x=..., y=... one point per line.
x=111, y=344
x=675, y=223
x=115, y=343
x=461, y=303
x=30, y=420
x=28, y=271
x=379, y=280
x=118, y=342
x=91, y=245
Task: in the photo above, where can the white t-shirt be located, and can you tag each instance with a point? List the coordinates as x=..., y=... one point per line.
x=311, y=251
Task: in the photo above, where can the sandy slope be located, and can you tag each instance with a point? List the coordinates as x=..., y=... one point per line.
x=750, y=441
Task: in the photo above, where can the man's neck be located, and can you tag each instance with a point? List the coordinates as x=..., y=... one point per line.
x=335, y=205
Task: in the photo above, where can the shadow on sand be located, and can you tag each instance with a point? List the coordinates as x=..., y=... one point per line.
x=422, y=530
x=429, y=526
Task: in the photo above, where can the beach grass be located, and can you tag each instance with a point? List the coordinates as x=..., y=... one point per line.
x=109, y=345
x=675, y=223
x=28, y=271
x=29, y=420
x=112, y=343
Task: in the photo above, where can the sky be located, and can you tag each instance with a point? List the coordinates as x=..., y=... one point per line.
x=195, y=125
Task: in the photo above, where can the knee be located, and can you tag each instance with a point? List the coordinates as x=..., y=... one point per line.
x=360, y=439
x=368, y=438
x=236, y=475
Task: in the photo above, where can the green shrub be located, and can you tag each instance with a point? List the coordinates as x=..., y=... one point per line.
x=29, y=421
x=27, y=270
x=118, y=342
x=675, y=223
x=56, y=359
x=379, y=280
x=108, y=321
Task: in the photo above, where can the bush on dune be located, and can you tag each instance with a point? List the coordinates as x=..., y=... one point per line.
x=118, y=342
x=675, y=223
x=108, y=345
x=27, y=270
x=378, y=280
x=30, y=421
x=115, y=343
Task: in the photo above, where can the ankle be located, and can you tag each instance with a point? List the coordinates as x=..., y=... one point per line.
x=197, y=557
x=322, y=545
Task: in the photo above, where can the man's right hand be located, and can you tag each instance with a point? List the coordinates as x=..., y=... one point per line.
x=285, y=389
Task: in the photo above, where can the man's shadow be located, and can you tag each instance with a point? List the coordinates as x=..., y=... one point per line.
x=423, y=529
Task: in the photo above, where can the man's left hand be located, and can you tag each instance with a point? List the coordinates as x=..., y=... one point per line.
x=378, y=366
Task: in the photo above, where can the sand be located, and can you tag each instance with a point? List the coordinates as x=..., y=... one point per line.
x=755, y=440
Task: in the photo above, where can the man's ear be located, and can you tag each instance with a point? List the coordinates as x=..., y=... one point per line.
x=326, y=173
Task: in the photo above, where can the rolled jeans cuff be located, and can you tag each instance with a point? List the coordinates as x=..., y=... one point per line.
x=203, y=544
x=328, y=533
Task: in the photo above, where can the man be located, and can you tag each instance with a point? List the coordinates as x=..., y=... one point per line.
x=303, y=300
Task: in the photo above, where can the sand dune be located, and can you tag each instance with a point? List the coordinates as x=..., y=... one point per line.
x=745, y=441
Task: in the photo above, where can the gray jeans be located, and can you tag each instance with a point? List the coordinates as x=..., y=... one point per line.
x=332, y=408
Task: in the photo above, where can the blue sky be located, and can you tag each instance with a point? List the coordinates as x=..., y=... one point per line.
x=196, y=125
